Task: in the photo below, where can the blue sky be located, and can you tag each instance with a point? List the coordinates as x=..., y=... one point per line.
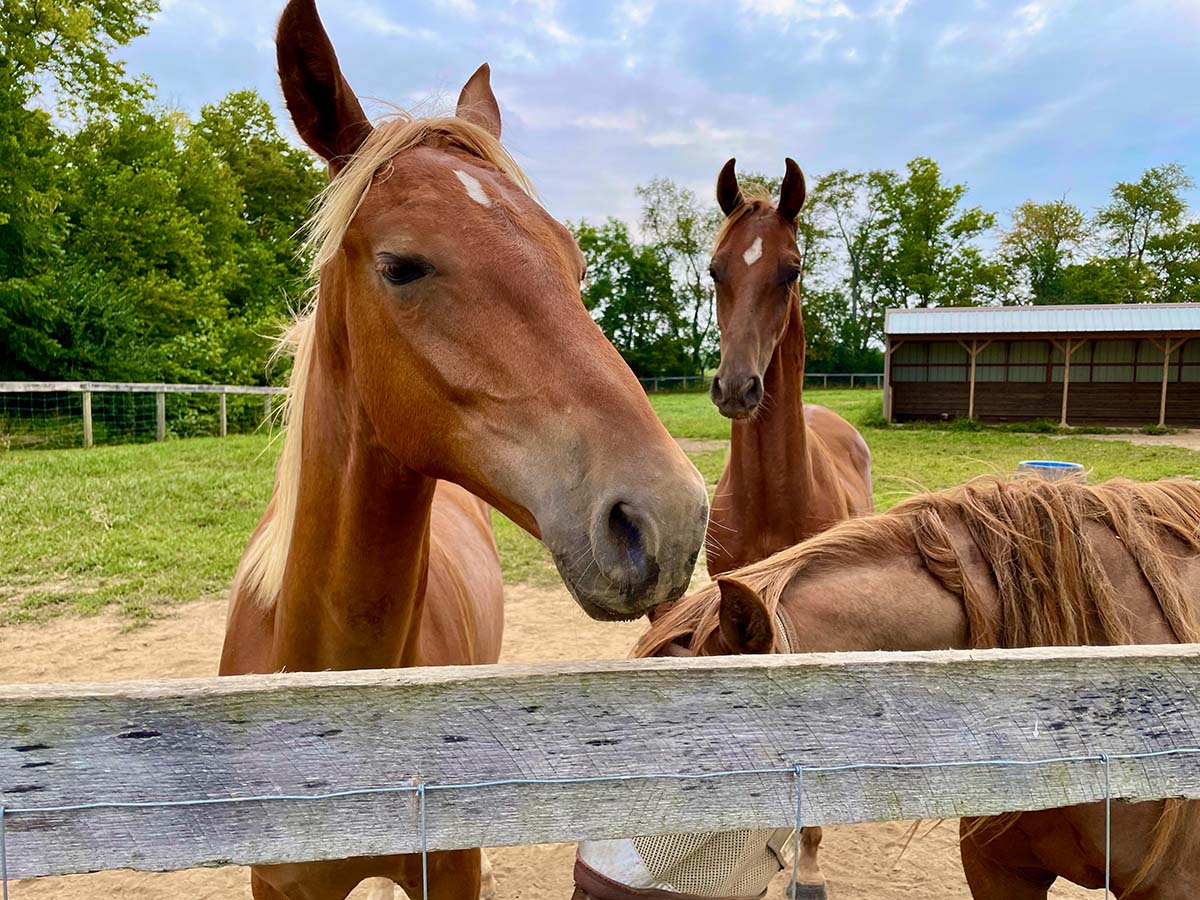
x=1018, y=99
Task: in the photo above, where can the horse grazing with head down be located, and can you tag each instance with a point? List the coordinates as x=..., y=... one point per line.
x=993, y=563
x=794, y=469
x=446, y=350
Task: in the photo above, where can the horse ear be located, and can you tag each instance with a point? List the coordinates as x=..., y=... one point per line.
x=746, y=625
x=477, y=104
x=791, y=194
x=323, y=106
x=729, y=195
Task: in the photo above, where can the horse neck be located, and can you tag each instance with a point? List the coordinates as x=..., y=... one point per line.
x=769, y=461
x=882, y=599
x=354, y=583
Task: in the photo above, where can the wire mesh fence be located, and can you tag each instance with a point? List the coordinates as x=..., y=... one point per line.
x=685, y=383
x=57, y=415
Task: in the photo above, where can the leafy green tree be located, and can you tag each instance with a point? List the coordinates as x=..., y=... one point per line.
x=930, y=257
x=1144, y=209
x=855, y=207
x=682, y=228
x=1040, y=243
x=630, y=293
x=55, y=55
x=154, y=218
x=1174, y=260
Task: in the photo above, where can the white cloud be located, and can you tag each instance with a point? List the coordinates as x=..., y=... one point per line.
x=890, y=10
x=371, y=18
x=635, y=12
x=797, y=10
x=622, y=121
x=1031, y=18
x=462, y=7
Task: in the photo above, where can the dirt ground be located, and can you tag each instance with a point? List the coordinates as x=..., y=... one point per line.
x=861, y=862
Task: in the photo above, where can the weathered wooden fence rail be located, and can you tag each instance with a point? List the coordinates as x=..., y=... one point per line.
x=533, y=753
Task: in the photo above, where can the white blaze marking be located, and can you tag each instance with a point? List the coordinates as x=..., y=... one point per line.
x=475, y=190
x=753, y=252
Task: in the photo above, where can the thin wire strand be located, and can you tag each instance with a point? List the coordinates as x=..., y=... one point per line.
x=424, y=843
x=1107, y=830
x=3, y=858
x=596, y=779
x=799, y=782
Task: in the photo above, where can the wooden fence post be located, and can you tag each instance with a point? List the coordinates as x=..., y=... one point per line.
x=87, y=419
x=224, y=419
x=160, y=416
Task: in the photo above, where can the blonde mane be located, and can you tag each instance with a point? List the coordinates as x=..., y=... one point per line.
x=263, y=563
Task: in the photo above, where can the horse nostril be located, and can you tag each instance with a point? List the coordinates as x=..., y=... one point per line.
x=754, y=391
x=714, y=389
x=627, y=538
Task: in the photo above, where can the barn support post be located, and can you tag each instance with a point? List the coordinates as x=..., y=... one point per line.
x=887, y=377
x=160, y=416
x=1167, y=347
x=973, y=350
x=1068, y=347
x=224, y=417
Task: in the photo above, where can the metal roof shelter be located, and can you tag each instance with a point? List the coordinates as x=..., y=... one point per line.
x=1124, y=364
x=1127, y=318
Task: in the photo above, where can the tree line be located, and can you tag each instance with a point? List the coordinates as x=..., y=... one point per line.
x=138, y=243
x=878, y=240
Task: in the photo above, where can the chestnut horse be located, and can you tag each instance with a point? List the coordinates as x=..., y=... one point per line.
x=794, y=469
x=993, y=563
x=445, y=351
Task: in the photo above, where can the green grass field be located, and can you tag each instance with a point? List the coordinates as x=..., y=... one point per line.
x=146, y=525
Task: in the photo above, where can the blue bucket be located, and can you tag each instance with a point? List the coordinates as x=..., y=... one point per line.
x=1052, y=470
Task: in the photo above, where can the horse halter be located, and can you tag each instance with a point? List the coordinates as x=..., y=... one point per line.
x=730, y=865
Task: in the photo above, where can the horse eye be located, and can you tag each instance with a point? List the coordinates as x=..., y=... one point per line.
x=792, y=276
x=712, y=273
x=400, y=270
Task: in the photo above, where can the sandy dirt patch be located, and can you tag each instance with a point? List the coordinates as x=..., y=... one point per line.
x=861, y=862
x=1189, y=440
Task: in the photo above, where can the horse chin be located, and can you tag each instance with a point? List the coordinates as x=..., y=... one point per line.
x=600, y=606
x=738, y=412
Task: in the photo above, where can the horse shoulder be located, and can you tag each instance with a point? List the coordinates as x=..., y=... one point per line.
x=838, y=446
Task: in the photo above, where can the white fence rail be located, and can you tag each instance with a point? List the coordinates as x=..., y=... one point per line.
x=267, y=769
x=65, y=413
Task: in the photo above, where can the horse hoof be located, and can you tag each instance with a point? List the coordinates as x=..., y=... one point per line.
x=799, y=891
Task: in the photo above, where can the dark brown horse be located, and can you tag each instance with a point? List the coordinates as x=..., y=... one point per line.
x=446, y=361
x=990, y=564
x=794, y=469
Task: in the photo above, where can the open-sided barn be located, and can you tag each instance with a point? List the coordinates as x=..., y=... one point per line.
x=1129, y=364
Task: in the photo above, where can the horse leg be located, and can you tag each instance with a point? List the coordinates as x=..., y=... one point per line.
x=261, y=889
x=487, y=878
x=809, y=883
x=453, y=875
x=990, y=880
